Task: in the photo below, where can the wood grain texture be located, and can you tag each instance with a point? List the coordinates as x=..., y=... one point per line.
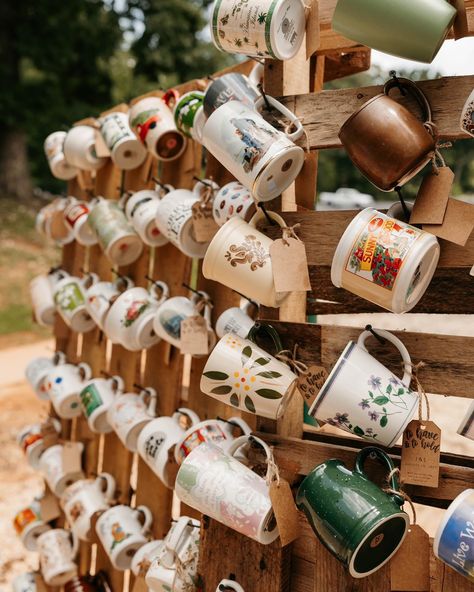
x=346, y=62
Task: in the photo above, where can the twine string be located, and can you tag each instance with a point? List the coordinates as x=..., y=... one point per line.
x=422, y=396
x=400, y=492
x=143, y=567
x=290, y=358
x=202, y=303
x=289, y=232
x=288, y=126
x=207, y=195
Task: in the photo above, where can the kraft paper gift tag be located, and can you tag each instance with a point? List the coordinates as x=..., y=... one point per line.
x=285, y=511
x=194, y=336
x=290, y=265
x=40, y=583
x=49, y=507
x=312, y=27
x=410, y=567
x=421, y=449
x=432, y=199
x=72, y=452
x=310, y=384
x=204, y=225
x=457, y=225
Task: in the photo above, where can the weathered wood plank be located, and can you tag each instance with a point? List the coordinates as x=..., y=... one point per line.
x=346, y=62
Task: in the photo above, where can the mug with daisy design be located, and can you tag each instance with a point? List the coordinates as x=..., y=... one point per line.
x=364, y=397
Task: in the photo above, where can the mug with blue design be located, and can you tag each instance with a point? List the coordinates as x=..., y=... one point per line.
x=63, y=385
x=233, y=200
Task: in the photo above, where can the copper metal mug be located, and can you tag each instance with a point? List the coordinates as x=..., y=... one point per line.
x=387, y=142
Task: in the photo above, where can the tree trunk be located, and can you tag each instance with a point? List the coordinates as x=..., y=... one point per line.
x=15, y=179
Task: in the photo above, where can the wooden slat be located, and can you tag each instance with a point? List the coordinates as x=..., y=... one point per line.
x=347, y=62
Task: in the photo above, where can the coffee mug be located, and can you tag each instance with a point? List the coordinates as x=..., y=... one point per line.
x=122, y=531
x=31, y=440
x=387, y=143
x=232, y=200
x=63, y=385
x=50, y=222
x=58, y=476
x=467, y=116
x=69, y=296
x=410, y=30
x=159, y=436
x=42, y=301
x=153, y=122
x=131, y=317
x=235, y=320
x=170, y=315
x=57, y=550
x=189, y=114
x=218, y=485
x=126, y=151
x=453, y=540
x=24, y=582
x=360, y=524
x=362, y=396
x=76, y=215
x=101, y=295
x=83, y=498
x=259, y=28
x=29, y=525
x=144, y=556
x=467, y=425
x=97, y=397
x=116, y=235
x=79, y=148
x=263, y=159
x=54, y=150
x=37, y=371
x=129, y=414
x=239, y=257
x=229, y=586
x=385, y=261
x=141, y=208
x=241, y=374
x=220, y=432
x=175, y=567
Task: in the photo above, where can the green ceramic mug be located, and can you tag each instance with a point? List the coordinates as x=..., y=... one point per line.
x=358, y=522
x=411, y=29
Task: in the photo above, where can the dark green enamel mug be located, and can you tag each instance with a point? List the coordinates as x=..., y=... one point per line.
x=359, y=523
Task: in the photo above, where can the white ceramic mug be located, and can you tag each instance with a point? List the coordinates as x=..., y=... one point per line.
x=175, y=568
x=24, y=582
x=229, y=586
x=31, y=440
x=96, y=398
x=63, y=385
x=100, y=296
x=126, y=151
x=265, y=160
x=239, y=257
x=58, y=476
x=115, y=234
x=69, y=296
x=29, y=525
x=54, y=150
x=466, y=428
x=467, y=116
x=144, y=557
x=57, y=550
x=233, y=200
x=216, y=484
x=131, y=317
x=159, y=436
x=51, y=224
x=41, y=296
x=79, y=148
x=141, y=208
x=153, y=122
x=83, y=498
x=129, y=414
x=189, y=114
x=76, y=215
x=216, y=431
x=37, y=371
x=122, y=531
x=364, y=397
x=235, y=320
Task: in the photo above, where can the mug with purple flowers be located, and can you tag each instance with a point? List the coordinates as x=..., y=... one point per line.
x=364, y=397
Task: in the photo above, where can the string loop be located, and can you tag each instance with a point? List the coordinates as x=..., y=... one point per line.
x=400, y=492
x=289, y=357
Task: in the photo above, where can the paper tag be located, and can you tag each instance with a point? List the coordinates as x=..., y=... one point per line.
x=72, y=457
x=194, y=336
x=310, y=384
x=290, y=266
x=432, y=199
x=140, y=585
x=49, y=433
x=312, y=29
x=421, y=449
x=285, y=511
x=49, y=507
x=40, y=583
x=100, y=146
x=410, y=566
x=457, y=225
x=204, y=225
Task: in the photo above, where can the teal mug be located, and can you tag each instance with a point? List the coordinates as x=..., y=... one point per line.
x=359, y=523
x=411, y=29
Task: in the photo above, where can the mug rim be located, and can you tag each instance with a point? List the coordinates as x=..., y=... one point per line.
x=453, y=506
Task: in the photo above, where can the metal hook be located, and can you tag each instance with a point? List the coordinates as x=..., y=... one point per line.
x=262, y=92
x=393, y=74
x=106, y=374
x=203, y=182
x=375, y=334
x=199, y=293
x=248, y=299
x=258, y=60
x=406, y=211
x=269, y=219
x=160, y=184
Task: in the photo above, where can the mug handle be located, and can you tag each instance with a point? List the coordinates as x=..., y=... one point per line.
x=86, y=369
x=248, y=438
x=406, y=379
x=170, y=98
x=165, y=292
x=110, y=484
x=259, y=216
x=126, y=281
x=256, y=74
x=180, y=527
x=242, y=424
x=266, y=329
x=229, y=586
x=56, y=424
x=147, y=518
x=120, y=385
x=299, y=131
x=383, y=458
x=416, y=92
x=189, y=413
x=90, y=276
x=151, y=392
x=59, y=358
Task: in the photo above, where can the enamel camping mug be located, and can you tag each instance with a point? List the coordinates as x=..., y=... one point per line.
x=262, y=158
x=189, y=114
x=219, y=486
x=414, y=30
x=386, y=142
x=141, y=209
x=29, y=525
x=233, y=200
x=129, y=413
x=101, y=295
x=97, y=397
x=76, y=216
x=31, y=439
x=239, y=257
x=362, y=396
x=126, y=150
x=54, y=150
x=453, y=542
x=37, y=371
x=385, y=261
x=144, y=556
x=355, y=520
x=259, y=28
x=79, y=148
x=57, y=475
x=41, y=296
x=57, y=550
x=63, y=385
x=50, y=222
x=235, y=320
x=69, y=296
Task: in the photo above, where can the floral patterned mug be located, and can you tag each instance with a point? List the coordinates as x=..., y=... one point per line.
x=364, y=397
